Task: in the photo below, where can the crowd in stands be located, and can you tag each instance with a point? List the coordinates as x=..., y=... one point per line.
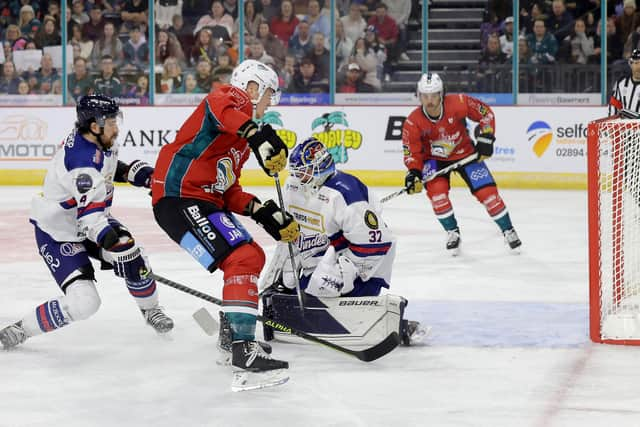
x=197, y=44
x=555, y=32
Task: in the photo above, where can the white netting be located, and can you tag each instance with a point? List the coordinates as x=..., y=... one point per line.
x=619, y=228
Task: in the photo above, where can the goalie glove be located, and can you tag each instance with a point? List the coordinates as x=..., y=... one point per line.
x=484, y=145
x=269, y=149
x=413, y=181
x=281, y=227
x=333, y=276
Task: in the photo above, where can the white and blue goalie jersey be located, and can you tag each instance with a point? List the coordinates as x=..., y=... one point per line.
x=78, y=191
x=344, y=214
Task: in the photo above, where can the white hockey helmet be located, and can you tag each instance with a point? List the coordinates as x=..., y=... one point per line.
x=251, y=70
x=430, y=83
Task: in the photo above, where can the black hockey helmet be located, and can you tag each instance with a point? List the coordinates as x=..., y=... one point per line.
x=635, y=55
x=95, y=108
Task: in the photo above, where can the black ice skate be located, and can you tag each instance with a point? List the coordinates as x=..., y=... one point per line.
x=225, y=340
x=254, y=368
x=453, y=241
x=511, y=238
x=159, y=321
x=12, y=335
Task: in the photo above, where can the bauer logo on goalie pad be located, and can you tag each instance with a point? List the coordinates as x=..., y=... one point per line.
x=359, y=302
x=371, y=220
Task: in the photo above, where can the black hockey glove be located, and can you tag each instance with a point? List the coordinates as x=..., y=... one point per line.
x=484, y=145
x=280, y=227
x=413, y=181
x=269, y=149
x=140, y=173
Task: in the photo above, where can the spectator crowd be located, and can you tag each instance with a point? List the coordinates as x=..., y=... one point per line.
x=552, y=34
x=196, y=45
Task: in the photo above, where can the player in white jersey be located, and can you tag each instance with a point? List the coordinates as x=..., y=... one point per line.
x=73, y=223
x=626, y=92
x=345, y=250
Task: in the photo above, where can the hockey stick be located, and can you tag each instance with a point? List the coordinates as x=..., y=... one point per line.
x=276, y=178
x=366, y=355
x=443, y=171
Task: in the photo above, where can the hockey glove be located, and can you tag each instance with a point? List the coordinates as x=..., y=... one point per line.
x=334, y=276
x=413, y=181
x=280, y=227
x=140, y=174
x=125, y=256
x=269, y=149
x=484, y=145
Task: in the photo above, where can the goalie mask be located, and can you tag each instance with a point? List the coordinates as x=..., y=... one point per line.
x=255, y=71
x=311, y=163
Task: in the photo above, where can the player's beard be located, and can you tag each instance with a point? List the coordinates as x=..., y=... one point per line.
x=108, y=144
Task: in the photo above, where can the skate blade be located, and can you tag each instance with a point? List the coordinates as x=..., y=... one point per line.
x=246, y=380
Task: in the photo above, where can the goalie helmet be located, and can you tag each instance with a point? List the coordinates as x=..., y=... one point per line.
x=95, y=108
x=430, y=83
x=255, y=71
x=311, y=163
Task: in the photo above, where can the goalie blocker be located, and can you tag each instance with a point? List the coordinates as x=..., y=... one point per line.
x=350, y=321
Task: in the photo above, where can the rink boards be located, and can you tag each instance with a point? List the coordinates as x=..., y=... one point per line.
x=536, y=147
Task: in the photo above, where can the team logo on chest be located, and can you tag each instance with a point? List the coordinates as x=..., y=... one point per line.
x=225, y=176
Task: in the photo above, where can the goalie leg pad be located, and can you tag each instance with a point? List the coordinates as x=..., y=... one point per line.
x=359, y=321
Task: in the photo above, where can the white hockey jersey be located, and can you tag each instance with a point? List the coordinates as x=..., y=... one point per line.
x=344, y=214
x=77, y=193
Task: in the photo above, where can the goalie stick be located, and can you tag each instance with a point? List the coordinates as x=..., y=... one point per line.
x=366, y=355
x=443, y=171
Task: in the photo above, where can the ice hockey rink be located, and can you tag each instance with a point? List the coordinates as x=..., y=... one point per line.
x=509, y=344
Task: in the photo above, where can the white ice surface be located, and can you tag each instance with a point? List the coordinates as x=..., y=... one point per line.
x=509, y=345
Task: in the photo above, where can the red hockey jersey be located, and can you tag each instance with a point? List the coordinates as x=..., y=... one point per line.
x=447, y=138
x=206, y=158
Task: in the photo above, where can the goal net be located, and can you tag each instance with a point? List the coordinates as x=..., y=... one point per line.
x=614, y=230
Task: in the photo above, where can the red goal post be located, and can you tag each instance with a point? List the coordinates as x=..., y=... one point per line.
x=613, y=170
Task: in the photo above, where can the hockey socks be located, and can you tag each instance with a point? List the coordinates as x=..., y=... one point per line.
x=144, y=292
x=449, y=222
x=503, y=221
x=243, y=326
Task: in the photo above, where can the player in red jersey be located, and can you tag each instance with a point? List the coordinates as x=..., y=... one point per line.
x=196, y=191
x=434, y=136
